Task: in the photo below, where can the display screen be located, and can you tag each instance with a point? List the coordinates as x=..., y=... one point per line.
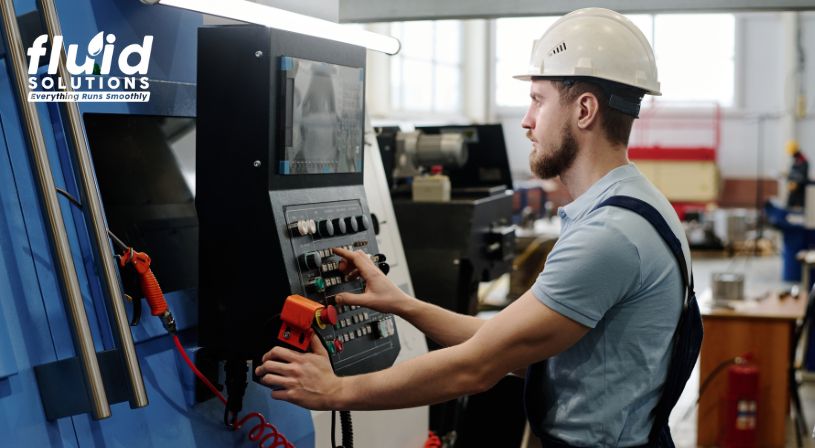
x=323, y=117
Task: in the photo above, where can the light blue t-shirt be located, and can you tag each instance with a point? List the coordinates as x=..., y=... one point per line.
x=610, y=271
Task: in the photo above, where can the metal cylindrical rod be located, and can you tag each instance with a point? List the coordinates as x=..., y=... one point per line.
x=83, y=341
x=93, y=213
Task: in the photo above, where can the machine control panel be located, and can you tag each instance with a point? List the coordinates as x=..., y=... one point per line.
x=267, y=233
x=359, y=334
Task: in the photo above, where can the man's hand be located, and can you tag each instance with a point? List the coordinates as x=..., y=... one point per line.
x=305, y=379
x=380, y=293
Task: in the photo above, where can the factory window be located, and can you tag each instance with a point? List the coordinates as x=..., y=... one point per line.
x=692, y=66
x=696, y=66
x=513, y=42
x=426, y=75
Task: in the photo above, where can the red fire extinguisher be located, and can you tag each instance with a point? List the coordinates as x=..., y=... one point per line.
x=741, y=404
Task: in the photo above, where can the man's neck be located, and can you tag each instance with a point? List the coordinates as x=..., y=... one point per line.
x=591, y=164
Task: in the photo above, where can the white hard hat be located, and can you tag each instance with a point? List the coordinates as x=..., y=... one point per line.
x=597, y=43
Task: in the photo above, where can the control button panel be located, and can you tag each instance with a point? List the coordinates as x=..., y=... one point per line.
x=356, y=333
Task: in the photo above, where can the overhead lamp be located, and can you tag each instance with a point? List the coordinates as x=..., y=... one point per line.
x=246, y=11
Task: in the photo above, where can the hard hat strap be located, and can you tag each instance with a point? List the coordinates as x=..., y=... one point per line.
x=628, y=106
x=627, y=102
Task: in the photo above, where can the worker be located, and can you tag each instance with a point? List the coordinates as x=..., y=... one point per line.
x=798, y=177
x=594, y=334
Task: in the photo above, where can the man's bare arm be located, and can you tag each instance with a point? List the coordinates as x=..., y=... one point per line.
x=525, y=332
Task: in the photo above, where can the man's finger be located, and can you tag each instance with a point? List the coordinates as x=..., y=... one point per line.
x=282, y=394
x=360, y=259
x=345, y=265
x=281, y=353
x=273, y=380
x=280, y=368
x=354, y=273
x=347, y=298
x=317, y=346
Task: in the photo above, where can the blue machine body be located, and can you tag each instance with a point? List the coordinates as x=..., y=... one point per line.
x=33, y=323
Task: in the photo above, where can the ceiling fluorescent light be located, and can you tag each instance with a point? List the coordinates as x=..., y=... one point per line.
x=246, y=11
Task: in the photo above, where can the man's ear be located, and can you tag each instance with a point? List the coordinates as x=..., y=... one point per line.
x=588, y=110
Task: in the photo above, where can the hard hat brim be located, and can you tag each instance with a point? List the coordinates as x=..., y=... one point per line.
x=528, y=77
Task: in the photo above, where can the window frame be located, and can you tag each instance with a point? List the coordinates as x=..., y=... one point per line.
x=433, y=114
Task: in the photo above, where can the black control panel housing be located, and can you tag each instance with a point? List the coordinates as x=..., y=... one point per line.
x=264, y=235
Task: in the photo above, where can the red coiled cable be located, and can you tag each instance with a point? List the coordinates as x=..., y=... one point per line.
x=258, y=432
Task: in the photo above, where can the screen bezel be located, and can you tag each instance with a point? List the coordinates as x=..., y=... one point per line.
x=313, y=49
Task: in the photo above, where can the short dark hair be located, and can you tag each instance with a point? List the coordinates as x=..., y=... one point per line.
x=615, y=124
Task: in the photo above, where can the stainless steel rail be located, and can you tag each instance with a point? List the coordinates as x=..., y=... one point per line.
x=66, y=270
x=94, y=216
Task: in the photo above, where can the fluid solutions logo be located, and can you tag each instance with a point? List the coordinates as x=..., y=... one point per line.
x=90, y=80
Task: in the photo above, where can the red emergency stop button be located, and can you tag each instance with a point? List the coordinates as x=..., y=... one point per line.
x=338, y=345
x=330, y=315
x=326, y=316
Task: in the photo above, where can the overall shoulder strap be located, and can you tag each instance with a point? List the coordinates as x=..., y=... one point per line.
x=651, y=215
x=689, y=330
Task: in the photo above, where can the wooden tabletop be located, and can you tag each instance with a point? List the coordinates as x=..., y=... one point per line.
x=768, y=306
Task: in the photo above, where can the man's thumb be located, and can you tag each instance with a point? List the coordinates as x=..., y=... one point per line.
x=347, y=298
x=317, y=346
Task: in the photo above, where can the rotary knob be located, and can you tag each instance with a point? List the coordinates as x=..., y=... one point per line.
x=325, y=229
x=363, y=223
x=351, y=224
x=339, y=226
x=299, y=228
x=310, y=260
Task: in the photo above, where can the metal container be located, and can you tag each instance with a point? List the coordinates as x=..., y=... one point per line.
x=728, y=286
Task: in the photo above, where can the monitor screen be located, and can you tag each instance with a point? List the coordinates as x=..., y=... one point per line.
x=323, y=119
x=145, y=169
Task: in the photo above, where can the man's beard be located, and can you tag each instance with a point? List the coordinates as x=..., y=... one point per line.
x=550, y=164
